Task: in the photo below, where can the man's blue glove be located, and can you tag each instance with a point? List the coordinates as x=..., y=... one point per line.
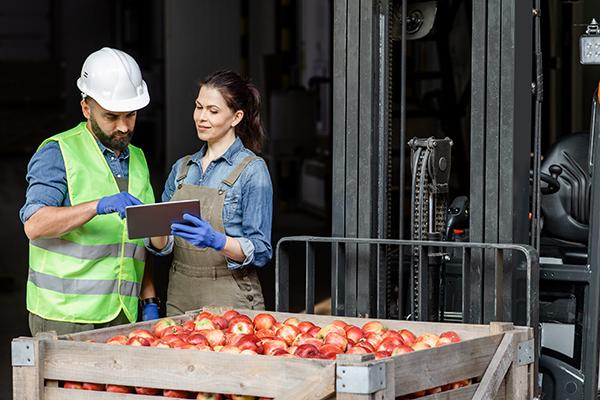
x=116, y=203
x=149, y=312
x=199, y=233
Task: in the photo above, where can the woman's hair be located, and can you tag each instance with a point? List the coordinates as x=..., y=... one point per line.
x=240, y=95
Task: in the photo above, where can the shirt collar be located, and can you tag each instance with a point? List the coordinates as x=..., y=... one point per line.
x=228, y=156
x=103, y=149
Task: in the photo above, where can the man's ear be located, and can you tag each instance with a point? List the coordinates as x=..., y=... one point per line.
x=237, y=118
x=85, y=108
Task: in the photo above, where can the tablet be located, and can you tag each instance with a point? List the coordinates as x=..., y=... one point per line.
x=147, y=220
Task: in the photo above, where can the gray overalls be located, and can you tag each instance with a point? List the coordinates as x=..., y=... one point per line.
x=199, y=276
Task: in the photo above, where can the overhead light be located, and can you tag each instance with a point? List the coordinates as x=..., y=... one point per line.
x=589, y=44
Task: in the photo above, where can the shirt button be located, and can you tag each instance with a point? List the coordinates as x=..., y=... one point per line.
x=118, y=176
x=250, y=297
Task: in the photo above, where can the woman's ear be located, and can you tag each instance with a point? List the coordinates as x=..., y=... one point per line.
x=237, y=118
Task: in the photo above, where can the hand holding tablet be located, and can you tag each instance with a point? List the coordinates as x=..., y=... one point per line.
x=148, y=220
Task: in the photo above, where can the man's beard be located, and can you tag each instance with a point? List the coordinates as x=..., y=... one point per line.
x=117, y=142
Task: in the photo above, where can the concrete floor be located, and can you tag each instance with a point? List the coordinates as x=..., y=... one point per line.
x=13, y=268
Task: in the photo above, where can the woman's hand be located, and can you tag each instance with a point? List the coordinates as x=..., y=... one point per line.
x=199, y=233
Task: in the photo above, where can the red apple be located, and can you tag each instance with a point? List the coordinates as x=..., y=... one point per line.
x=357, y=350
x=220, y=322
x=327, y=329
x=215, y=337
x=408, y=337
x=160, y=344
x=288, y=333
x=366, y=345
x=189, y=325
x=453, y=336
x=420, y=346
x=138, y=341
x=354, y=333
x=305, y=326
x=434, y=390
x=270, y=345
x=174, y=330
x=305, y=338
x=177, y=394
x=382, y=354
x=148, y=391
x=240, y=327
x=340, y=323
x=443, y=341
x=229, y=349
x=330, y=348
x=314, y=331
x=374, y=339
x=204, y=323
x=292, y=321
x=73, y=385
x=161, y=325
x=98, y=387
x=265, y=334
x=307, y=351
x=247, y=342
x=389, y=344
x=401, y=350
x=373, y=326
x=203, y=347
x=141, y=333
x=249, y=352
x=240, y=317
x=209, y=396
x=202, y=315
x=118, y=339
x=337, y=340
x=264, y=321
x=197, y=338
x=429, y=338
x=229, y=314
x=119, y=389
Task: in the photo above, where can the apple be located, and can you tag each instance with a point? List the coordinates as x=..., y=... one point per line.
x=292, y=321
x=366, y=345
x=265, y=334
x=382, y=354
x=197, y=338
x=229, y=349
x=240, y=327
x=304, y=338
x=337, y=340
x=354, y=333
x=374, y=339
x=204, y=323
x=215, y=337
x=161, y=325
x=429, y=338
x=229, y=314
x=202, y=315
x=118, y=339
x=98, y=387
x=271, y=345
x=189, y=325
x=288, y=333
x=327, y=329
x=420, y=346
x=443, y=341
x=453, y=336
x=73, y=385
x=220, y=322
x=138, y=341
x=373, y=326
x=119, y=389
x=305, y=326
x=148, y=391
x=248, y=352
x=407, y=336
x=389, y=344
x=242, y=397
x=357, y=350
x=330, y=348
x=203, y=347
x=264, y=321
x=209, y=396
x=401, y=350
x=160, y=344
x=340, y=323
x=307, y=351
x=240, y=317
x=314, y=331
x=141, y=333
x=173, y=330
x=246, y=342
x=177, y=394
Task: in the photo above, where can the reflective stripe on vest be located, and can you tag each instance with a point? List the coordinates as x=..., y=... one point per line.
x=82, y=286
x=89, y=252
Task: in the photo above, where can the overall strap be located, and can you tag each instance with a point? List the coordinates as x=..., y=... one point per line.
x=230, y=180
x=185, y=167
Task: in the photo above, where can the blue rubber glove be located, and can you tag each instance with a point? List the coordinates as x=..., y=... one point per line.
x=149, y=311
x=116, y=203
x=199, y=233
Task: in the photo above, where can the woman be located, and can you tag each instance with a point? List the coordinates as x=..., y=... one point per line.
x=216, y=255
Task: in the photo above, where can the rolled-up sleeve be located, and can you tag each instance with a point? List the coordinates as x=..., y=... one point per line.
x=168, y=249
x=257, y=210
x=47, y=181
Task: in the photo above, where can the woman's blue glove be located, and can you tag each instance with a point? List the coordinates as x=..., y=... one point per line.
x=199, y=233
x=116, y=203
x=149, y=311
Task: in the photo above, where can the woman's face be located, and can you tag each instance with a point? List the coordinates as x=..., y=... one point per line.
x=213, y=118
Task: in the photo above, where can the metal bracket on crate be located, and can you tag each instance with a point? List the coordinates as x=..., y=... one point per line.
x=525, y=352
x=360, y=379
x=23, y=353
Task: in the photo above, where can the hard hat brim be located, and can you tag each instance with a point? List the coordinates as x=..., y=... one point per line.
x=127, y=105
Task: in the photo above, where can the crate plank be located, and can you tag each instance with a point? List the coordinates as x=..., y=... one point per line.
x=430, y=368
x=180, y=369
x=496, y=371
x=74, y=394
x=28, y=381
x=315, y=387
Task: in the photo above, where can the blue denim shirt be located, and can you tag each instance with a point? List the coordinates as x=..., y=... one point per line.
x=248, y=206
x=47, y=177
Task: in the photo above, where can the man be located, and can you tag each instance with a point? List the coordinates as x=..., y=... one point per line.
x=84, y=273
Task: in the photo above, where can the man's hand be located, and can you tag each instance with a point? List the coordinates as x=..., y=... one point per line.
x=116, y=203
x=199, y=233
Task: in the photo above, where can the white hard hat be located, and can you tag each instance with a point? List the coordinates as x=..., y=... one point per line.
x=114, y=80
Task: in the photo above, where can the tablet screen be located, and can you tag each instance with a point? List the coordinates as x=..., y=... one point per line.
x=147, y=220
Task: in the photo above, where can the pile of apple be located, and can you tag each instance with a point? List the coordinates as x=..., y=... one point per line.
x=233, y=332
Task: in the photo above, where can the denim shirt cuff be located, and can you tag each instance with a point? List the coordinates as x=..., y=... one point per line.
x=30, y=210
x=165, y=251
x=248, y=250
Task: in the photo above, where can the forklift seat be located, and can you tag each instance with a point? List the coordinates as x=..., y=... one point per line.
x=566, y=213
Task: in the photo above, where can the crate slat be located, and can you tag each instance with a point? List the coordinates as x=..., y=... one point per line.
x=75, y=394
x=186, y=369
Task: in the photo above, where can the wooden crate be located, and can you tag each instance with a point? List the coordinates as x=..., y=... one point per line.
x=498, y=356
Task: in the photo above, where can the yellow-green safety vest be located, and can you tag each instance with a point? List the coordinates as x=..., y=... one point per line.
x=93, y=272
